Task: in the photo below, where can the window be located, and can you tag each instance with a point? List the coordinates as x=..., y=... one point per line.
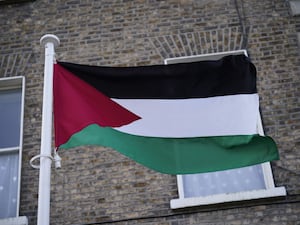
x=246, y=183
x=11, y=126
x=294, y=7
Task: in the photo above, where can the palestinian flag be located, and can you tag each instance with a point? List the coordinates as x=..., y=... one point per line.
x=177, y=119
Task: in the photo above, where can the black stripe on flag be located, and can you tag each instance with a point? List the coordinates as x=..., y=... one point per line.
x=233, y=74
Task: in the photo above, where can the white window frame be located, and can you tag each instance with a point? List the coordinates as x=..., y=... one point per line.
x=270, y=189
x=8, y=83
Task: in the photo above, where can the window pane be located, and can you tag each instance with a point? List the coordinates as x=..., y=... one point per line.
x=228, y=181
x=9, y=164
x=10, y=117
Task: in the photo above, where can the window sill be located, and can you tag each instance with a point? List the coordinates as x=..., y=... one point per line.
x=21, y=220
x=223, y=198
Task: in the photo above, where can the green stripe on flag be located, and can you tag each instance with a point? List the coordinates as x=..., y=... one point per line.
x=181, y=155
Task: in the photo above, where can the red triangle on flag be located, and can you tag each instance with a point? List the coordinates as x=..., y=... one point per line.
x=77, y=105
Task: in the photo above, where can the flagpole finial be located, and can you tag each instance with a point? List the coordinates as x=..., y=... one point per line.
x=50, y=38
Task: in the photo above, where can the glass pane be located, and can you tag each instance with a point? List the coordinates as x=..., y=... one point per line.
x=9, y=164
x=227, y=181
x=10, y=117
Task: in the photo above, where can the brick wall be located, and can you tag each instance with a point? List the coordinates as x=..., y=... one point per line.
x=100, y=186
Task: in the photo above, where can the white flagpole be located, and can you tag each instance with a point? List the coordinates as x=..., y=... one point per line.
x=49, y=41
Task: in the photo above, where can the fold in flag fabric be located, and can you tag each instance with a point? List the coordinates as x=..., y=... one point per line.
x=177, y=119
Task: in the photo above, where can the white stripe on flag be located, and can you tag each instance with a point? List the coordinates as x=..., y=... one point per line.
x=214, y=116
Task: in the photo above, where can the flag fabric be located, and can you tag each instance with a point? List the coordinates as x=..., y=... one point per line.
x=177, y=119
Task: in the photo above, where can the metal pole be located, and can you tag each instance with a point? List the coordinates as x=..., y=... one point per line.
x=49, y=42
